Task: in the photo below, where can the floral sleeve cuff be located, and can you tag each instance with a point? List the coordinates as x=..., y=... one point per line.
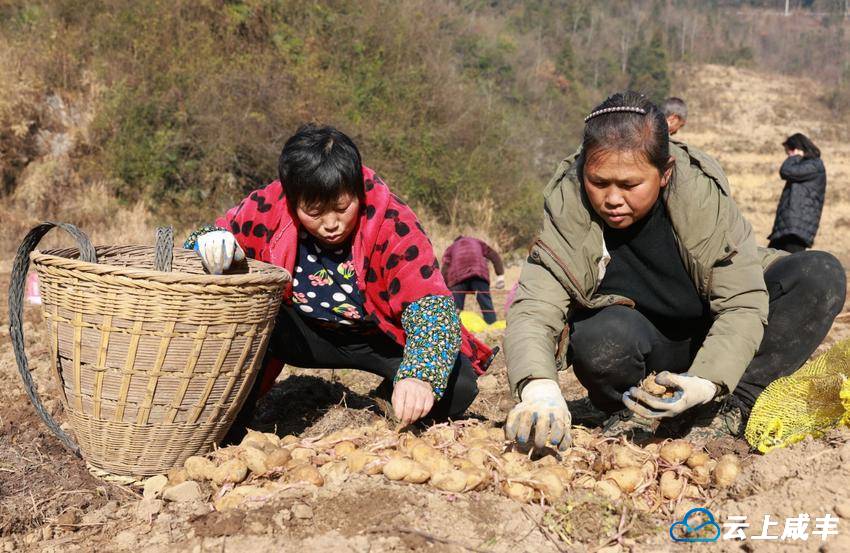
x=433, y=341
x=189, y=244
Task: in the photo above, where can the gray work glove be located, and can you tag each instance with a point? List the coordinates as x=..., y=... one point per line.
x=542, y=410
x=690, y=392
x=218, y=250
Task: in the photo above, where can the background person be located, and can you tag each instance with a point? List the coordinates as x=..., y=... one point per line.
x=676, y=112
x=801, y=203
x=465, y=270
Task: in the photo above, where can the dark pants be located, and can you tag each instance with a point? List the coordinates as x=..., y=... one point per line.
x=789, y=243
x=298, y=341
x=614, y=348
x=482, y=293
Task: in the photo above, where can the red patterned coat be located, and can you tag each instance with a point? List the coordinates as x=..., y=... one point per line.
x=393, y=258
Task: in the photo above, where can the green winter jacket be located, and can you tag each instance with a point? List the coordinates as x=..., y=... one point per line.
x=562, y=272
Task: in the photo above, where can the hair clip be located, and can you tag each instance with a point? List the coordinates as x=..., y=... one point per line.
x=615, y=109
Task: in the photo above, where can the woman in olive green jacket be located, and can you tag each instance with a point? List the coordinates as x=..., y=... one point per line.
x=645, y=264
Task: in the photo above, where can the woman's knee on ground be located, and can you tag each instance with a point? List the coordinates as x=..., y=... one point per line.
x=602, y=342
x=821, y=278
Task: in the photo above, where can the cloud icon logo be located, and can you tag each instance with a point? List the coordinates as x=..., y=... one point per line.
x=682, y=531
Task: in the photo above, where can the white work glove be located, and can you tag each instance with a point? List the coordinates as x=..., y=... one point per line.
x=692, y=391
x=218, y=250
x=500, y=282
x=543, y=410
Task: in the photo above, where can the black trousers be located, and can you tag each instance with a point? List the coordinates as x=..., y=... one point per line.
x=614, y=348
x=298, y=341
x=482, y=293
x=789, y=243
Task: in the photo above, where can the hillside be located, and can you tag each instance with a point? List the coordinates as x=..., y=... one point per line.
x=738, y=115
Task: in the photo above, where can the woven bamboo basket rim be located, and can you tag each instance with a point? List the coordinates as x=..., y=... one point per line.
x=260, y=273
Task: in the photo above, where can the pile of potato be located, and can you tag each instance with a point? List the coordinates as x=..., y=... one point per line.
x=460, y=457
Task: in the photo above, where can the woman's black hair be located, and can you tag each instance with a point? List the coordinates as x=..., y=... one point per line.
x=799, y=141
x=626, y=121
x=317, y=166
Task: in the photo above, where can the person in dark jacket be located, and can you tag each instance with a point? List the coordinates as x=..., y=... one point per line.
x=801, y=203
x=465, y=270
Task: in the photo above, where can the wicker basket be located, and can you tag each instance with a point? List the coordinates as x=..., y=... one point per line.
x=154, y=366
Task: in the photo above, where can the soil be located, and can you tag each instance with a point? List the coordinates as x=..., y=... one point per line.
x=50, y=502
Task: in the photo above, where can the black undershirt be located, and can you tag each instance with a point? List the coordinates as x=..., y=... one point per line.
x=647, y=268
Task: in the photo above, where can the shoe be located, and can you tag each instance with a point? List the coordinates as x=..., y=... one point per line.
x=628, y=424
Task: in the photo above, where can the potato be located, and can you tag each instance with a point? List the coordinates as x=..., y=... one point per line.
x=585, y=481
x=255, y=439
x=278, y=458
x=701, y=475
x=497, y=435
x=564, y=474
x=601, y=463
x=475, y=478
x=627, y=479
x=548, y=483
x=289, y=440
x=443, y=434
x=581, y=437
x=303, y=454
x=232, y=471
x=625, y=457
x=726, y=471
x=255, y=459
x=360, y=461
x=518, y=491
x=432, y=459
x=199, y=468
x=407, y=442
x=418, y=474
x=449, y=481
x=321, y=458
x=546, y=461
x=342, y=449
x=238, y=497
x=698, y=459
x=226, y=453
x=177, y=476
x=422, y=451
x=649, y=385
x=478, y=457
x=676, y=452
x=306, y=473
x=463, y=463
x=608, y=489
x=486, y=445
x=476, y=433
x=272, y=438
x=671, y=485
x=335, y=472
x=398, y=469
x=692, y=491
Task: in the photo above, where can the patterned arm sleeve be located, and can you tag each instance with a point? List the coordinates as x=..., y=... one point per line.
x=433, y=341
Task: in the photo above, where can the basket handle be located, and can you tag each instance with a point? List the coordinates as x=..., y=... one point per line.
x=164, y=252
x=16, y=308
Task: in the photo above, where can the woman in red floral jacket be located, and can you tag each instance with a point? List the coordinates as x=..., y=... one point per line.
x=366, y=291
